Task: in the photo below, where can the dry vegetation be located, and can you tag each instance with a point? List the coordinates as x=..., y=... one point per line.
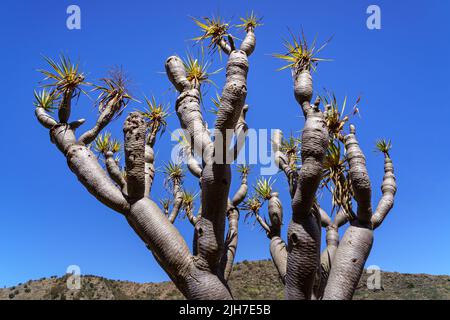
x=250, y=280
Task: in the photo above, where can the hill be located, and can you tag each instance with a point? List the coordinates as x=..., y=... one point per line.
x=250, y=280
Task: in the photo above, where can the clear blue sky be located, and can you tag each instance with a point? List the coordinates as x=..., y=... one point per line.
x=48, y=221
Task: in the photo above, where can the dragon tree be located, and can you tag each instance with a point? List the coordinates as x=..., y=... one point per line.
x=327, y=157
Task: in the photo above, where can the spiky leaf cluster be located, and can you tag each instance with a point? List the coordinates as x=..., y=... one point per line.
x=290, y=147
x=64, y=76
x=103, y=143
x=197, y=70
x=45, y=99
x=383, y=146
x=250, y=22
x=156, y=115
x=335, y=177
x=214, y=28
x=334, y=114
x=113, y=92
x=174, y=173
x=299, y=55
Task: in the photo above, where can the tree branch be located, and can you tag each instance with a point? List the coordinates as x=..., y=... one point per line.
x=279, y=254
x=324, y=218
x=388, y=188
x=134, y=136
x=348, y=263
x=85, y=166
x=177, y=202
x=234, y=93
x=188, y=109
x=114, y=171
x=240, y=132
x=326, y=259
x=65, y=107
x=341, y=218
x=355, y=246
x=44, y=118
x=313, y=150
x=231, y=239
x=149, y=167
x=304, y=231
x=172, y=253
x=223, y=44
x=359, y=177
x=231, y=242
x=282, y=162
x=103, y=120
x=240, y=195
x=249, y=43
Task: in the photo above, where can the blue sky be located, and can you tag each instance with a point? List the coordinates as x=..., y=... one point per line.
x=48, y=221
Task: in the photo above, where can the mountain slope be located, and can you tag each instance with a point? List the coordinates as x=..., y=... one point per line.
x=250, y=280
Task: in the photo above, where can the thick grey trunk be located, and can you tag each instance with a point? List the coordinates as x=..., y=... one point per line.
x=210, y=228
x=234, y=92
x=303, y=257
x=172, y=252
x=313, y=149
x=134, y=130
x=84, y=164
x=348, y=263
x=191, y=120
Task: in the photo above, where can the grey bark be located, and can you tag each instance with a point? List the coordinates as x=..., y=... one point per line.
x=65, y=106
x=304, y=231
x=85, y=166
x=359, y=177
x=240, y=132
x=249, y=43
x=388, y=188
x=326, y=259
x=103, y=120
x=282, y=162
x=215, y=176
x=44, y=118
x=177, y=202
x=278, y=253
x=134, y=131
x=357, y=241
x=198, y=276
x=171, y=251
x=303, y=257
x=231, y=240
x=348, y=263
x=114, y=171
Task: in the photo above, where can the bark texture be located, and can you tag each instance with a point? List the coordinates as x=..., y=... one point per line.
x=348, y=264
x=203, y=273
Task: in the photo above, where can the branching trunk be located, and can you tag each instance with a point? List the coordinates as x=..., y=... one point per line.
x=204, y=273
